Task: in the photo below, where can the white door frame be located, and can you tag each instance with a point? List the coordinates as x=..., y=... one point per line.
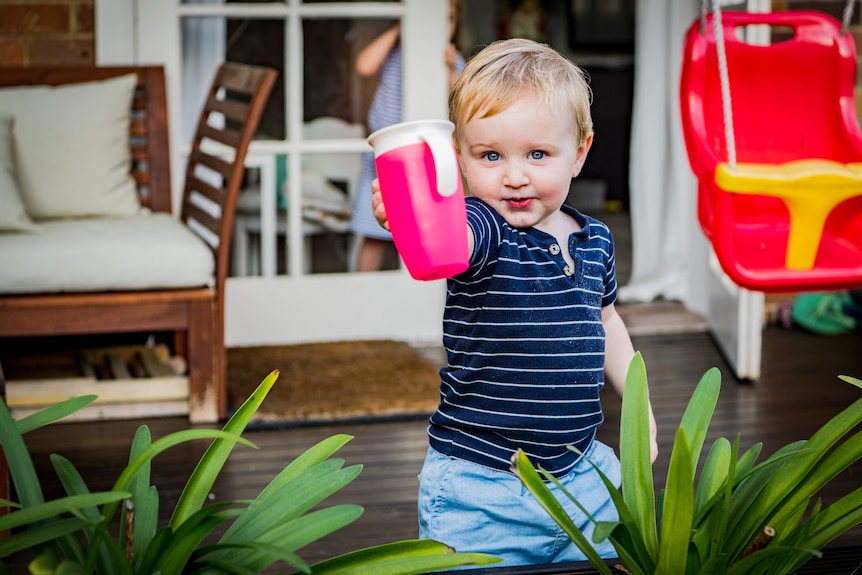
x=735, y=314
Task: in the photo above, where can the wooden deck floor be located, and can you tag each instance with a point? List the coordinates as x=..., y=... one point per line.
x=798, y=392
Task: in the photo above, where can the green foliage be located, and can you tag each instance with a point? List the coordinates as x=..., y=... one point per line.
x=72, y=535
x=739, y=517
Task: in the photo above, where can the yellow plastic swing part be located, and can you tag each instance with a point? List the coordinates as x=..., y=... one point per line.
x=809, y=188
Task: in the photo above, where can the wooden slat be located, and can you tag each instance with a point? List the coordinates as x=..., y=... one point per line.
x=195, y=213
x=109, y=411
x=224, y=136
x=87, y=313
x=213, y=162
x=36, y=393
x=233, y=109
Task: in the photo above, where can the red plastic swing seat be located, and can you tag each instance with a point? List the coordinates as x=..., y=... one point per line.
x=789, y=216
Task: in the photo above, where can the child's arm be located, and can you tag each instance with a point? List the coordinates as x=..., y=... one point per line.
x=371, y=58
x=619, y=352
x=380, y=212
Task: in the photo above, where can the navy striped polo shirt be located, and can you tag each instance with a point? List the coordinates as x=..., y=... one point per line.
x=525, y=344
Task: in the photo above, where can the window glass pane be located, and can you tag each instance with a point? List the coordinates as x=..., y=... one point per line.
x=262, y=42
x=209, y=41
x=346, y=1
x=260, y=240
x=331, y=86
x=232, y=1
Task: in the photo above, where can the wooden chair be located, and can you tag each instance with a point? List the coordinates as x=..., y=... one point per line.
x=195, y=315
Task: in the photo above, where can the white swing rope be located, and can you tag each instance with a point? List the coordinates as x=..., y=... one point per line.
x=723, y=74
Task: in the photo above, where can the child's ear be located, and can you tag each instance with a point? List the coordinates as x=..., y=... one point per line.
x=581, y=155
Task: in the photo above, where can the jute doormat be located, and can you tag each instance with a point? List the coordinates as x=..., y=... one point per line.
x=325, y=382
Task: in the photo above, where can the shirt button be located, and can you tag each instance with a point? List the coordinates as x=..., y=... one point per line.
x=554, y=249
x=568, y=271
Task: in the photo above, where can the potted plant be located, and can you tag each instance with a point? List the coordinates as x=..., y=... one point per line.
x=73, y=534
x=739, y=516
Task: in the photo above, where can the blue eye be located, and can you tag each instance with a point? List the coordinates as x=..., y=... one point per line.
x=537, y=155
x=491, y=156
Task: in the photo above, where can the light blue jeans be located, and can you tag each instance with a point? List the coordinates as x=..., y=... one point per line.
x=473, y=508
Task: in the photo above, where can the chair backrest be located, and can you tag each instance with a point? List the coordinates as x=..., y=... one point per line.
x=215, y=168
x=791, y=99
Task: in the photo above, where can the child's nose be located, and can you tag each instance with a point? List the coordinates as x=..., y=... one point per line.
x=515, y=175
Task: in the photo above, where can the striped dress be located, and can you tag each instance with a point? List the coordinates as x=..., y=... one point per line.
x=525, y=344
x=385, y=110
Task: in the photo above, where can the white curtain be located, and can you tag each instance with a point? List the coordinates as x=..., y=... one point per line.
x=203, y=49
x=662, y=187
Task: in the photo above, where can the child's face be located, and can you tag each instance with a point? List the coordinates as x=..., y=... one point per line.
x=521, y=161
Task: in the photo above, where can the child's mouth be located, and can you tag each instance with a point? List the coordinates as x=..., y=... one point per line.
x=518, y=203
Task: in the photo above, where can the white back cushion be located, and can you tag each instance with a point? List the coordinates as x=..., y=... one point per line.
x=13, y=217
x=72, y=147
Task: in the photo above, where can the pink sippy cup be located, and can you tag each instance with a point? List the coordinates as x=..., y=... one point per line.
x=421, y=186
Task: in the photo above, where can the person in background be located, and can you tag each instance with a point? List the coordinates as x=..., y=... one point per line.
x=382, y=56
x=530, y=329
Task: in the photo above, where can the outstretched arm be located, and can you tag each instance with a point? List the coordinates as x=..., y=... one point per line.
x=371, y=58
x=619, y=352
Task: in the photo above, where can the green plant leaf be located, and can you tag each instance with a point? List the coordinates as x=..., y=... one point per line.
x=791, y=476
x=234, y=561
x=698, y=413
x=158, y=546
x=625, y=535
x=400, y=558
x=74, y=484
x=750, y=564
x=297, y=497
x=288, y=536
x=70, y=568
x=637, y=479
x=138, y=516
x=210, y=465
x=315, y=455
x=745, y=463
x=33, y=537
x=158, y=446
x=678, y=509
x=20, y=464
x=851, y=380
x=54, y=413
x=146, y=520
x=71, y=504
x=185, y=540
x=534, y=484
x=713, y=475
x=837, y=460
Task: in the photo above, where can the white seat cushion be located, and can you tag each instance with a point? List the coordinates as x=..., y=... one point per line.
x=145, y=252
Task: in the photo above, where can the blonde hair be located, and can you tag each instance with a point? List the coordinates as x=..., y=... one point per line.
x=503, y=71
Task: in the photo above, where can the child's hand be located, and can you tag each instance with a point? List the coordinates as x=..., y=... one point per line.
x=449, y=56
x=377, y=204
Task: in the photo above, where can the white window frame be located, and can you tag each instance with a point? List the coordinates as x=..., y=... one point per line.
x=299, y=307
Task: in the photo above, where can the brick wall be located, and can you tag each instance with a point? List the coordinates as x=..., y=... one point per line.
x=47, y=32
